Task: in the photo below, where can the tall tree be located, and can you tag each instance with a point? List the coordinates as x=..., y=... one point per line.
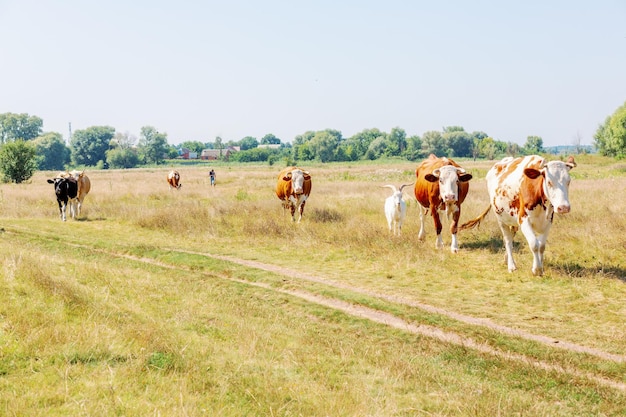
x=610, y=138
x=17, y=161
x=89, y=146
x=458, y=142
x=248, y=142
x=153, y=145
x=52, y=153
x=433, y=142
x=124, y=140
x=414, y=148
x=19, y=126
x=362, y=140
x=396, y=142
x=533, y=145
x=325, y=144
x=270, y=139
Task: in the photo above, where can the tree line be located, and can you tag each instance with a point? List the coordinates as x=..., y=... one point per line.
x=25, y=148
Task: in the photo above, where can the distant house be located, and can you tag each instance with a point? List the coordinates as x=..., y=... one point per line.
x=185, y=153
x=269, y=146
x=214, y=154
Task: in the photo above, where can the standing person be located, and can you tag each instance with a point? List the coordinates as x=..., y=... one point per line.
x=212, y=175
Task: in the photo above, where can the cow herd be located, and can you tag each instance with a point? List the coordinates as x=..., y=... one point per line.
x=524, y=193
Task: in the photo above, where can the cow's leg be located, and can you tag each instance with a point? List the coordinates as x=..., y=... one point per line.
x=507, y=236
x=422, y=232
x=302, y=209
x=537, y=245
x=456, y=213
x=73, y=208
x=62, y=207
x=438, y=227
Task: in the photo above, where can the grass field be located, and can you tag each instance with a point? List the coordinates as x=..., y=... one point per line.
x=210, y=301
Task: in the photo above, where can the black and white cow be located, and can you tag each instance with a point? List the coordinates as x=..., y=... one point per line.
x=66, y=190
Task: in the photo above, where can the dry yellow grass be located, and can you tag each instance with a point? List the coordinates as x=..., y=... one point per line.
x=173, y=311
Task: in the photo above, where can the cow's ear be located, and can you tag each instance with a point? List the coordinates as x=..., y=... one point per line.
x=532, y=173
x=431, y=178
x=570, y=162
x=50, y=181
x=464, y=177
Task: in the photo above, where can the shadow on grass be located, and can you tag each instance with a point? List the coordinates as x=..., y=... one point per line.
x=569, y=268
x=574, y=269
x=493, y=244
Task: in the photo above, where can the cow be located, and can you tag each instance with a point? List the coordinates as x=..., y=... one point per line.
x=84, y=186
x=173, y=179
x=395, y=209
x=66, y=190
x=441, y=185
x=293, y=189
x=524, y=193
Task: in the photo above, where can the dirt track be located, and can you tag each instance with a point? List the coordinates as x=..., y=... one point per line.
x=428, y=331
x=399, y=323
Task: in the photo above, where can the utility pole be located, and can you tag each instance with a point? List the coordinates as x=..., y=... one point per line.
x=69, y=139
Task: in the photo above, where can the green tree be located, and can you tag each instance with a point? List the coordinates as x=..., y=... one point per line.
x=377, y=148
x=533, y=145
x=17, y=161
x=362, y=140
x=458, y=142
x=414, y=148
x=153, y=145
x=51, y=151
x=396, y=142
x=122, y=158
x=301, y=147
x=511, y=149
x=19, y=126
x=610, y=138
x=193, y=146
x=487, y=148
x=325, y=143
x=89, y=146
x=433, y=142
x=270, y=139
x=248, y=143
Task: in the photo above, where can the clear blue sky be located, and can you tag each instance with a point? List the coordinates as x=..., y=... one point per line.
x=235, y=68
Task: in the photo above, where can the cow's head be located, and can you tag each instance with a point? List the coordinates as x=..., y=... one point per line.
x=556, y=179
x=449, y=178
x=64, y=187
x=297, y=178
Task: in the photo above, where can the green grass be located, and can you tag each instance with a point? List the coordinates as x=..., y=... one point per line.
x=132, y=309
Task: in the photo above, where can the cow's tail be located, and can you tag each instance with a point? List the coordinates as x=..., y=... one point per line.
x=475, y=222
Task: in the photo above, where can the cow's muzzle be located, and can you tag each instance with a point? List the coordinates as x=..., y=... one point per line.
x=563, y=209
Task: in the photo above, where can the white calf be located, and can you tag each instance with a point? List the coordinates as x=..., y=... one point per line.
x=395, y=209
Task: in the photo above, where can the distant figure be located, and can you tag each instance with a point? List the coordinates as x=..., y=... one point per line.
x=212, y=175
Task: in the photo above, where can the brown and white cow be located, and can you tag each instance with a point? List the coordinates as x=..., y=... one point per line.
x=524, y=193
x=173, y=179
x=84, y=186
x=441, y=185
x=293, y=189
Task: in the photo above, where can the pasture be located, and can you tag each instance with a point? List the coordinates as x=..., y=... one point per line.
x=210, y=301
